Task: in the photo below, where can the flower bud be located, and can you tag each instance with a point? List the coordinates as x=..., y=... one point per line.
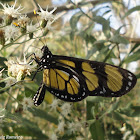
x=46, y=31
x=30, y=35
x=44, y=23
x=23, y=30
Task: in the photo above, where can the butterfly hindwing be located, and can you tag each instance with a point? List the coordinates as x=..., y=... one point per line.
x=64, y=83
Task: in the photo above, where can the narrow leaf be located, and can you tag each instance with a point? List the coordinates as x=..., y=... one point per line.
x=137, y=8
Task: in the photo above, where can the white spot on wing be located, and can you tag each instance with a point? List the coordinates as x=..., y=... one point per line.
x=127, y=88
x=62, y=96
x=104, y=90
x=101, y=92
x=83, y=94
x=129, y=83
x=130, y=77
x=65, y=96
x=129, y=74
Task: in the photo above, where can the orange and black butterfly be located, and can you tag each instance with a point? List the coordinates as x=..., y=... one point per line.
x=73, y=79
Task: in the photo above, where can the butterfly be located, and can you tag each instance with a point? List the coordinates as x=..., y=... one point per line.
x=73, y=79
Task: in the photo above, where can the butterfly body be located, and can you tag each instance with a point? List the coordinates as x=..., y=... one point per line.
x=73, y=79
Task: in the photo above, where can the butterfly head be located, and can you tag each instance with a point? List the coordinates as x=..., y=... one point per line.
x=46, y=58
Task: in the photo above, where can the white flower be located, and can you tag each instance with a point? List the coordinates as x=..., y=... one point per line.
x=54, y=104
x=74, y=127
x=46, y=14
x=23, y=19
x=132, y=137
x=66, y=109
x=20, y=69
x=27, y=103
x=10, y=81
x=53, y=137
x=11, y=31
x=78, y=126
x=31, y=28
x=11, y=10
x=126, y=134
x=61, y=126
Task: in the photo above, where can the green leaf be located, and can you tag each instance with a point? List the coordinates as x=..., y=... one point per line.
x=117, y=116
x=88, y=30
x=137, y=8
x=114, y=106
x=72, y=35
x=133, y=57
x=90, y=39
x=43, y=114
x=138, y=76
x=97, y=130
x=91, y=52
x=117, y=32
x=29, y=128
x=74, y=19
x=105, y=23
x=92, y=99
x=131, y=111
x=30, y=89
x=134, y=47
x=99, y=42
x=118, y=39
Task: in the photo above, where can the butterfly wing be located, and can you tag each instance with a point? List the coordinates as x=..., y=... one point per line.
x=73, y=79
x=113, y=81
x=94, y=78
x=65, y=83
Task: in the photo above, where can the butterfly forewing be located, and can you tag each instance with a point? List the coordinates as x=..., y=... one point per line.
x=100, y=79
x=113, y=81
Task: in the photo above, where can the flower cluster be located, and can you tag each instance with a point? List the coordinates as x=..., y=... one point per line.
x=12, y=11
x=65, y=126
x=65, y=108
x=27, y=103
x=9, y=32
x=19, y=69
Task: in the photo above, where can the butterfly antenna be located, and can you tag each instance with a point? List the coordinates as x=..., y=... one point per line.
x=40, y=26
